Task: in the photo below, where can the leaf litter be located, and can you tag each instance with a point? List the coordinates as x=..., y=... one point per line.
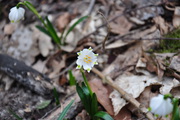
x=126, y=59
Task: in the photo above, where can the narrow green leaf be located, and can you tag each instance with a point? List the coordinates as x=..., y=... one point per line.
x=52, y=31
x=72, y=80
x=56, y=96
x=84, y=98
x=176, y=111
x=74, y=25
x=42, y=29
x=31, y=7
x=103, y=115
x=94, y=104
x=85, y=89
x=15, y=115
x=43, y=104
x=62, y=115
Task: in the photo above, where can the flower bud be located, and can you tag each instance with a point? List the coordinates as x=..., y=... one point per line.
x=161, y=106
x=16, y=14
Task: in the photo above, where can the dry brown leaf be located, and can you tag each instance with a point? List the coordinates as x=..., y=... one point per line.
x=40, y=66
x=9, y=28
x=62, y=21
x=45, y=44
x=176, y=17
x=117, y=101
x=121, y=25
x=175, y=63
x=102, y=94
x=176, y=92
x=135, y=85
x=160, y=22
x=124, y=114
x=118, y=43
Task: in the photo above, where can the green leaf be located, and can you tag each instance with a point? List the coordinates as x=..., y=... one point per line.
x=85, y=89
x=62, y=115
x=56, y=96
x=15, y=115
x=74, y=25
x=42, y=29
x=52, y=31
x=103, y=115
x=84, y=98
x=72, y=80
x=43, y=104
x=176, y=112
x=94, y=104
x=31, y=7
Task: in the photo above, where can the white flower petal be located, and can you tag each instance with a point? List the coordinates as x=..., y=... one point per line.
x=87, y=59
x=161, y=106
x=16, y=14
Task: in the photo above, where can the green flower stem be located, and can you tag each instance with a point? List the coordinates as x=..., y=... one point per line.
x=32, y=9
x=86, y=81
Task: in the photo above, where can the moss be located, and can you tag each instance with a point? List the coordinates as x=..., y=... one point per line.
x=167, y=46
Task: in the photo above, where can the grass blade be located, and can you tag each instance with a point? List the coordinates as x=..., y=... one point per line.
x=61, y=117
x=84, y=98
x=15, y=115
x=52, y=31
x=72, y=80
x=56, y=96
x=42, y=29
x=74, y=25
x=94, y=104
x=103, y=115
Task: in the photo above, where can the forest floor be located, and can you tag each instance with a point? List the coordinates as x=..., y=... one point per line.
x=138, y=43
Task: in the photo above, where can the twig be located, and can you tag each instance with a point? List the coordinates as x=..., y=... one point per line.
x=114, y=18
x=161, y=38
x=124, y=94
x=96, y=48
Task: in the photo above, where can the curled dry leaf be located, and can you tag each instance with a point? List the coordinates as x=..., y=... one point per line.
x=62, y=21
x=117, y=101
x=102, y=94
x=135, y=85
x=175, y=63
x=160, y=22
x=176, y=17
x=121, y=25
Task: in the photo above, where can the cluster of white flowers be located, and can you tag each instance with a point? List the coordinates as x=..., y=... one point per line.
x=160, y=106
x=86, y=59
x=16, y=14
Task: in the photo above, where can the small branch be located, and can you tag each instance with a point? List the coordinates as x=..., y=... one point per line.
x=161, y=38
x=25, y=75
x=124, y=94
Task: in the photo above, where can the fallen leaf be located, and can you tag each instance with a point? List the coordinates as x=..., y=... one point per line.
x=160, y=22
x=9, y=28
x=45, y=44
x=62, y=21
x=117, y=101
x=135, y=85
x=175, y=63
x=176, y=17
x=124, y=114
x=121, y=25
x=102, y=94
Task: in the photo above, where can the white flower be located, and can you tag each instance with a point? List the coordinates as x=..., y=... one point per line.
x=161, y=106
x=86, y=59
x=16, y=14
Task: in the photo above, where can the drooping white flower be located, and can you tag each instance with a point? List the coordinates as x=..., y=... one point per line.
x=86, y=59
x=16, y=14
x=160, y=106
